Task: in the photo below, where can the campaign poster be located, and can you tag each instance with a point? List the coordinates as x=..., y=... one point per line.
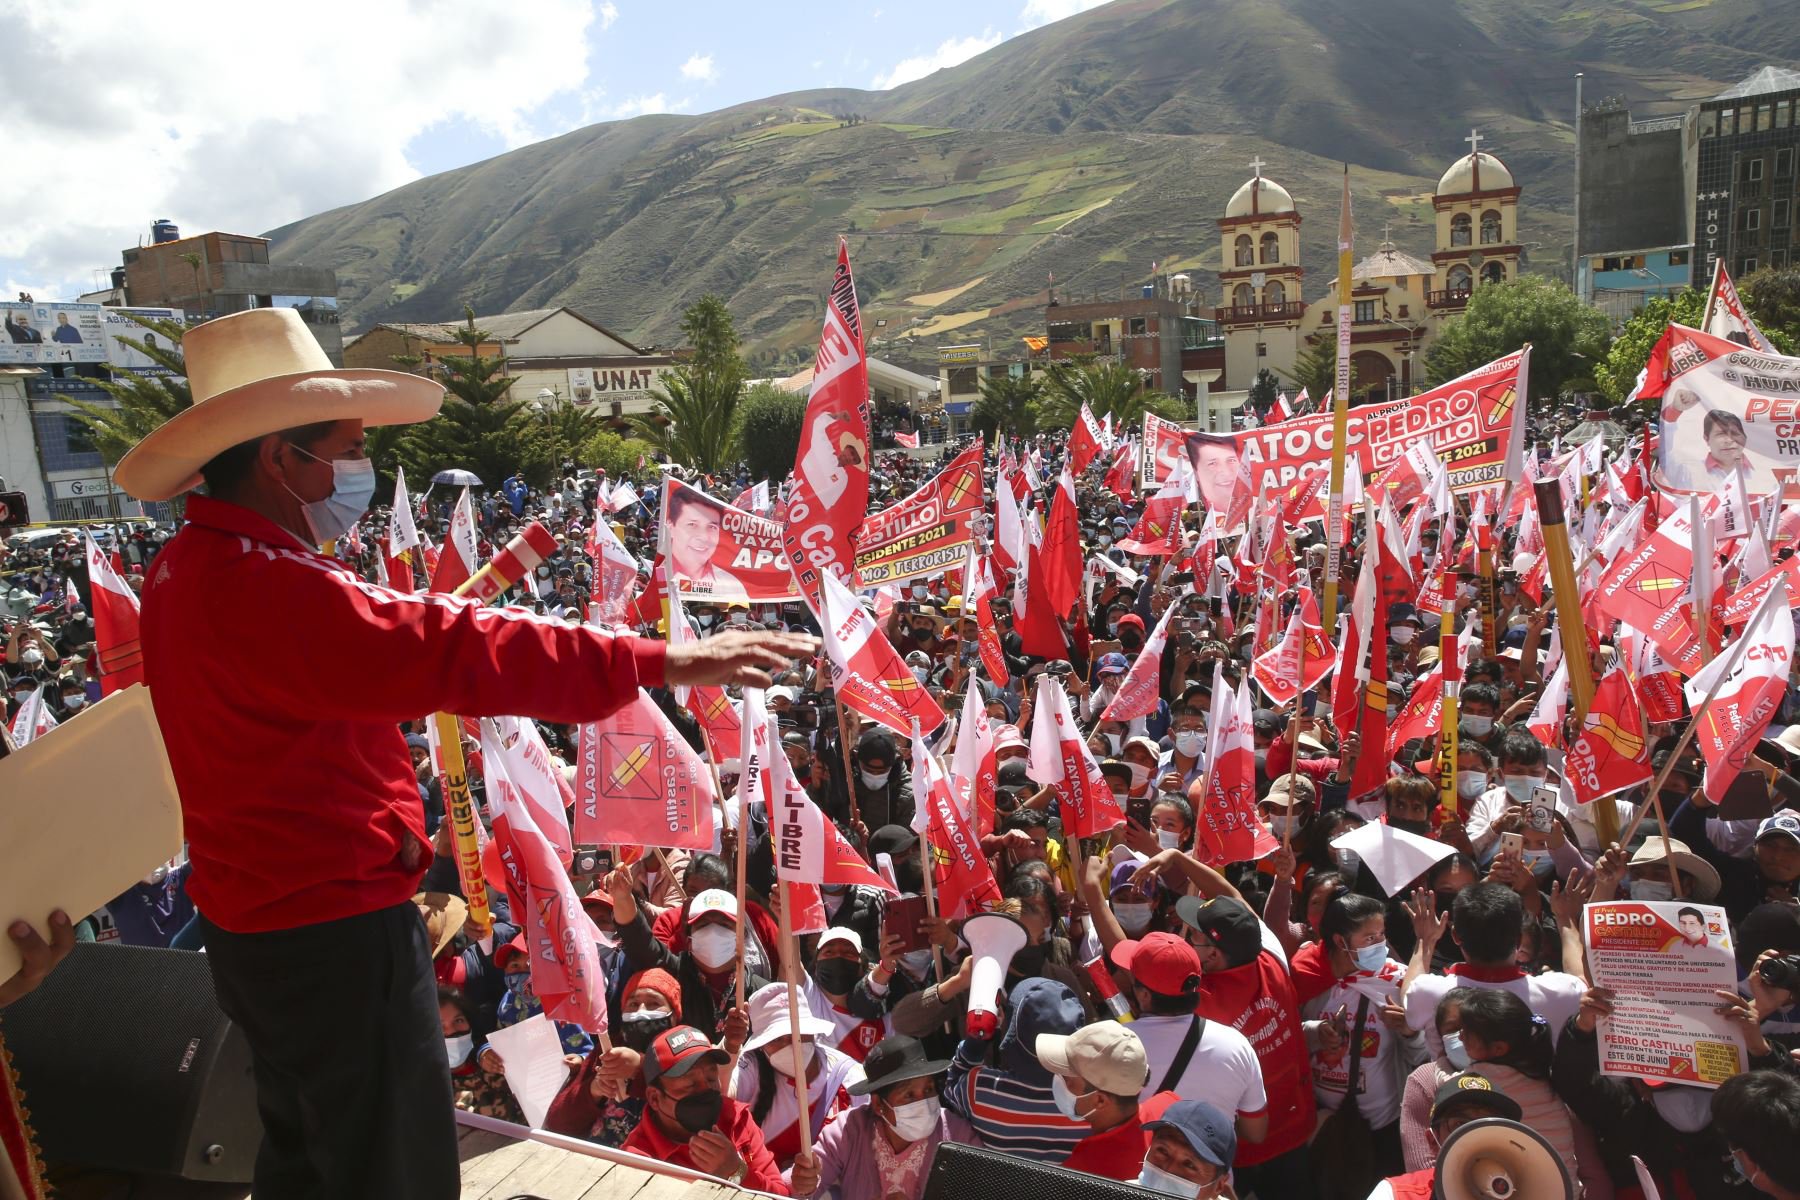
x=1723, y=408
x=116, y=323
x=1163, y=445
x=715, y=552
x=1663, y=960
x=51, y=333
x=1469, y=422
x=927, y=533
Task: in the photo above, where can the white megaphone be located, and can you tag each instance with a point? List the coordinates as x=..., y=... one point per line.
x=1497, y=1159
x=993, y=940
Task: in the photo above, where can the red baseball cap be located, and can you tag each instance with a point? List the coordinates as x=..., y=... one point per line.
x=1162, y=962
x=675, y=1051
x=504, y=954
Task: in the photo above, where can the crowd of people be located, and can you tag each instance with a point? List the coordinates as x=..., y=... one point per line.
x=1282, y=1028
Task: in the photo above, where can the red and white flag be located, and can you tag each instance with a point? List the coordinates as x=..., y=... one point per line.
x=1229, y=829
x=1609, y=754
x=909, y=440
x=459, y=557
x=753, y=752
x=1751, y=681
x=1158, y=530
x=830, y=494
x=33, y=720
x=717, y=717
x=867, y=673
x=615, y=574
x=1281, y=410
x=1300, y=660
x=1546, y=719
x=1141, y=688
x=622, y=496
x=1645, y=587
x=1060, y=583
x=1060, y=757
x=960, y=872
x=973, y=767
x=1086, y=441
x=403, y=534
x=559, y=939
x=978, y=597
x=1010, y=533
x=1725, y=316
x=638, y=783
x=1121, y=477
x=517, y=746
x=115, y=610
x=808, y=848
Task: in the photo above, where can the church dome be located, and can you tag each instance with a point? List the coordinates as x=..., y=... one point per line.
x=1269, y=197
x=1459, y=180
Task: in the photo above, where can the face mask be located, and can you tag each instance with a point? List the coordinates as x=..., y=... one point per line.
x=783, y=1059
x=1167, y=839
x=1140, y=775
x=32, y=657
x=700, y=1110
x=1418, y=827
x=1281, y=825
x=1112, y=629
x=24, y=693
x=714, y=946
x=738, y=618
x=543, y=572
x=1478, y=725
x=916, y=962
x=1652, y=889
x=642, y=1028
x=352, y=486
x=1112, y=742
x=704, y=620
x=837, y=975
x=920, y=591
x=922, y=633
x=1065, y=1099
x=74, y=702
x=874, y=779
x=1519, y=787
x=1131, y=641
x=1456, y=1052
x=515, y=983
x=1134, y=917
x=1370, y=958
x=1534, y=860
x=1402, y=635
x=1189, y=743
x=921, y=673
x=915, y=1121
x=1155, y=1179
x=1470, y=784
x=1688, y=1109
x=457, y=1049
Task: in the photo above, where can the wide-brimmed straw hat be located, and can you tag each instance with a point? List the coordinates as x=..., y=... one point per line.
x=255, y=373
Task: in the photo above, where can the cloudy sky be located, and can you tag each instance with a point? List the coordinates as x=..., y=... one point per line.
x=245, y=116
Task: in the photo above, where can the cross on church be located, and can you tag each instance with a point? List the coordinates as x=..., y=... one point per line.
x=1474, y=140
x=1387, y=229
x=1257, y=164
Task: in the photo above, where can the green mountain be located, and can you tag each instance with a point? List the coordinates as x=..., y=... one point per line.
x=1088, y=148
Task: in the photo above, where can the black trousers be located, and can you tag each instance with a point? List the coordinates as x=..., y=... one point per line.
x=351, y=1077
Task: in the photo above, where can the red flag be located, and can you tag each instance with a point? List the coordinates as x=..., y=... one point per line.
x=1229, y=829
x=1422, y=713
x=640, y=784
x=1039, y=634
x=963, y=879
x=1142, y=687
x=615, y=574
x=867, y=673
x=459, y=557
x=1546, y=719
x=718, y=720
x=1060, y=584
x=909, y=440
x=1610, y=754
x=1086, y=442
x=1011, y=537
x=978, y=597
x=1121, y=476
x=1159, y=527
x=808, y=849
x=559, y=938
x=1286, y=671
x=115, y=609
x=830, y=492
x=1746, y=600
x=1645, y=588
x=1060, y=757
x=974, y=770
x=1751, y=681
x=518, y=747
x=1267, y=630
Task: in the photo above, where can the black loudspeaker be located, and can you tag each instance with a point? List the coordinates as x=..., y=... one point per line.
x=961, y=1172
x=127, y=1064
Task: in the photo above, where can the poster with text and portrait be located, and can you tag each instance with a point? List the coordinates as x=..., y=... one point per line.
x=928, y=533
x=715, y=552
x=116, y=323
x=1163, y=445
x=32, y=332
x=1723, y=408
x=1663, y=960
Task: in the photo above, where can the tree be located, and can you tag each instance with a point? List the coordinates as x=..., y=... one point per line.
x=1617, y=373
x=145, y=401
x=194, y=262
x=1568, y=338
x=769, y=425
x=694, y=422
x=479, y=429
x=712, y=336
x=1105, y=387
x=616, y=455
x=1315, y=367
x=1007, y=405
x=1265, y=389
x=1772, y=298
x=554, y=436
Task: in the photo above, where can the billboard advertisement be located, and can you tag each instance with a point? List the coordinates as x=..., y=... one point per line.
x=54, y=332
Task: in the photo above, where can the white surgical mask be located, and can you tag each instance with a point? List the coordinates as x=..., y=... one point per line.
x=1455, y=1051
x=1519, y=787
x=1140, y=775
x=1065, y=1099
x=1371, y=957
x=1533, y=859
x=916, y=962
x=648, y=1014
x=74, y=702
x=921, y=673
x=714, y=945
x=1189, y=743
x=874, y=779
x=352, y=486
x=456, y=1049
x=1402, y=635
x=1478, y=725
x=1688, y=1109
x=1652, y=889
x=1167, y=839
x=1134, y=917
x=1280, y=825
x=1155, y=1179
x=914, y=1122
x=1470, y=784
x=783, y=1059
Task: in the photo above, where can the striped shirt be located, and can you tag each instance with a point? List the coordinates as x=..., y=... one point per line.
x=1009, y=1114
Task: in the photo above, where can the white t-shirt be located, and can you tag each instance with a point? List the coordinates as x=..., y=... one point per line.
x=1223, y=1072
x=1553, y=996
x=1379, y=1080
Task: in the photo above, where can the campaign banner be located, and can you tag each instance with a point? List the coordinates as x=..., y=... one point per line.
x=1469, y=422
x=116, y=323
x=928, y=533
x=1164, y=444
x=720, y=553
x=637, y=783
x=1663, y=960
x=1723, y=406
x=51, y=333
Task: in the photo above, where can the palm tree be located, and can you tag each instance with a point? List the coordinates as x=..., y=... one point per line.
x=1105, y=387
x=695, y=419
x=195, y=262
x=1008, y=405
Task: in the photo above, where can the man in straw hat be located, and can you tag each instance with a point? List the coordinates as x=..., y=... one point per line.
x=280, y=678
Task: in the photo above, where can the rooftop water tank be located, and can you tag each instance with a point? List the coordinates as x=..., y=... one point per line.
x=164, y=230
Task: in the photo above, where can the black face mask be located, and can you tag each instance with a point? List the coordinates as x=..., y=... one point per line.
x=801, y=773
x=699, y=1111
x=1419, y=827
x=910, y=877
x=1131, y=642
x=1029, y=960
x=639, y=1034
x=837, y=975
x=921, y=634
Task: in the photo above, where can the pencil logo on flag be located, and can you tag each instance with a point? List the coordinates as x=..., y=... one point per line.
x=908, y=684
x=716, y=703
x=959, y=487
x=1501, y=407
x=1658, y=585
x=629, y=756
x=1624, y=742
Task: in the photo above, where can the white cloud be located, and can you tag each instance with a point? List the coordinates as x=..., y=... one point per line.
x=609, y=12
x=637, y=106
x=1042, y=12
x=217, y=137
x=948, y=54
x=700, y=67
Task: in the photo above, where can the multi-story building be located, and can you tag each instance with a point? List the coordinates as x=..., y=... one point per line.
x=1744, y=143
x=1165, y=332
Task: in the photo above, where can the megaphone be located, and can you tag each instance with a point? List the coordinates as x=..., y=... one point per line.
x=1497, y=1159
x=993, y=939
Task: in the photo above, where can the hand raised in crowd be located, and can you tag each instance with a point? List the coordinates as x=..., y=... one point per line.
x=939, y=933
x=1394, y=1016
x=1609, y=869
x=1742, y=1012
x=745, y=659
x=39, y=957
x=1159, y=862
x=715, y=1154
x=888, y=960
x=737, y=1029
x=1428, y=923
x=1596, y=1002
x=1568, y=897
x=1768, y=997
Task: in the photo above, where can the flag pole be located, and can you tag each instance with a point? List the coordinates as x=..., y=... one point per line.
x=1552, y=522
x=1340, y=413
x=790, y=959
x=743, y=871
x=1450, y=671
x=1287, y=832
x=1701, y=583
x=849, y=772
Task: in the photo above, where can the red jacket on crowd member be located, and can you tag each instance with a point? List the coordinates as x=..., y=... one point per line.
x=1116, y=1153
x=1258, y=1000
x=735, y=1122
x=298, y=794
x=1281, y=758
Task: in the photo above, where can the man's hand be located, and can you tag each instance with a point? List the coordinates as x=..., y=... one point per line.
x=714, y=1154
x=737, y=1029
x=804, y=1179
x=1596, y=1002
x=735, y=658
x=937, y=931
x=1428, y=925
x=618, y=1067
x=40, y=956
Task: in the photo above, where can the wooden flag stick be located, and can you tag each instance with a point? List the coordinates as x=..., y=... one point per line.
x=1287, y=831
x=1574, y=630
x=790, y=965
x=1448, y=644
x=1340, y=414
x=743, y=871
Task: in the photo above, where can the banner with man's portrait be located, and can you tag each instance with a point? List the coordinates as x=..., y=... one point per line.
x=721, y=553
x=1724, y=407
x=51, y=333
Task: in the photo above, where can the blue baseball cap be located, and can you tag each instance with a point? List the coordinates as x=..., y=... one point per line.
x=1207, y=1131
x=1109, y=663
